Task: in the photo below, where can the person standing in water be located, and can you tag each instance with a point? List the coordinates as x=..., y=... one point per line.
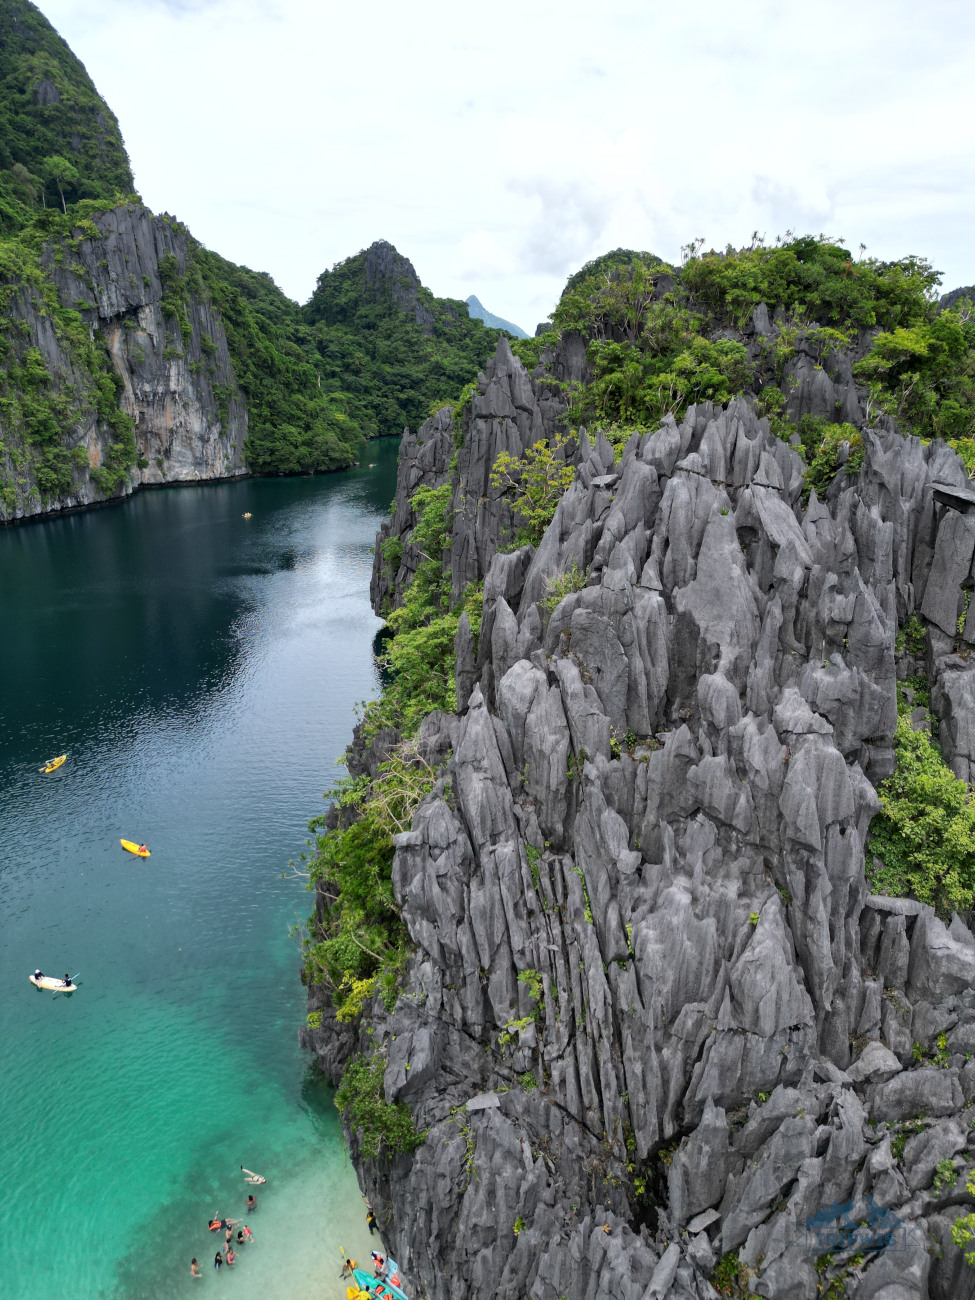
x=218, y=1261
x=195, y=1269
x=251, y=1202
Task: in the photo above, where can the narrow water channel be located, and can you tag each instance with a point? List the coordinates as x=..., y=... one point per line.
x=201, y=670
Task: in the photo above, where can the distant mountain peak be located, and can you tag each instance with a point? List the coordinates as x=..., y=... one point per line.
x=478, y=311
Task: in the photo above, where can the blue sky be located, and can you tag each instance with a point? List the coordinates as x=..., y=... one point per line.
x=500, y=146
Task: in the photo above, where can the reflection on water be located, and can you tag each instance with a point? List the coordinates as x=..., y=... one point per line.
x=201, y=671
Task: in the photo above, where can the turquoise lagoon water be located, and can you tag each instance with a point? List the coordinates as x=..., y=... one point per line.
x=201, y=670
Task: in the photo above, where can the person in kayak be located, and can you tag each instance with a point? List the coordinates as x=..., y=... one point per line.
x=143, y=849
x=66, y=981
x=38, y=974
x=379, y=1264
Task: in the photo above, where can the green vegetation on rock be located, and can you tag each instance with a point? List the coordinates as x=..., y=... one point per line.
x=924, y=375
x=383, y=1127
x=813, y=279
x=35, y=410
x=536, y=482
x=295, y=426
x=60, y=140
x=660, y=338
x=384, y=340
x=924, y=837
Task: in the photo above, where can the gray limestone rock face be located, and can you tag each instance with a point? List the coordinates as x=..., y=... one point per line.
x=636, y=897
x=190, y=418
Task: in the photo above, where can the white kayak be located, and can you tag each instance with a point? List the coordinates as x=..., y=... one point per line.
x=55, y=985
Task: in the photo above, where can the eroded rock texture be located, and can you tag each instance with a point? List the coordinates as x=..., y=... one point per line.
x=654, y=814
x=180, y=390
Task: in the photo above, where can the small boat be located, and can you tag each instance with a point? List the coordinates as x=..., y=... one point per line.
x=55, y=985
x=131, y=847
x=53, y=764
x=374, y=1286
x=246, y=514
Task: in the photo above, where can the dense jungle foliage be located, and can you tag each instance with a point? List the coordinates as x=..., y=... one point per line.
x=662, y=337
x=295, y=425
x=60, y=141
x=383, y=339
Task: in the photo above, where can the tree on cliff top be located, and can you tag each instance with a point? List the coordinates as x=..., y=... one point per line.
x=50, y=108
x=62, y=173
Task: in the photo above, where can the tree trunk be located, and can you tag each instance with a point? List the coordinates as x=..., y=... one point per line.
x=64, y=206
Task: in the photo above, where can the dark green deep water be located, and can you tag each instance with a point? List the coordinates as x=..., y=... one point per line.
x=201, y=670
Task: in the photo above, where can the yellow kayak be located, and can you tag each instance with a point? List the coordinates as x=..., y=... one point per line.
x=131, y=847
x=53, y=764
x=56, y=986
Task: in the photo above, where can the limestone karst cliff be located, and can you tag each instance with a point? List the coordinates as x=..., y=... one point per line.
x=117, y=370
x=653, y=1018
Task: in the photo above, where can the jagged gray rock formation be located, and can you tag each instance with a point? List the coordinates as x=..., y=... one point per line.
x=190, y=419
x=654, y=813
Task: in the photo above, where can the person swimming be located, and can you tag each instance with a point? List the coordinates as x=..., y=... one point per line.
x=215, y=1224
x=251, y=1177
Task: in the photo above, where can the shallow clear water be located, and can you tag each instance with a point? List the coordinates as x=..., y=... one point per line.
x=201, y=670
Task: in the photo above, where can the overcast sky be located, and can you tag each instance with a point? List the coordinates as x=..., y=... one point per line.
x=501, y=145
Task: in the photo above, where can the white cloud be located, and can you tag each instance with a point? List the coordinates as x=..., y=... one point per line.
x=500, y=148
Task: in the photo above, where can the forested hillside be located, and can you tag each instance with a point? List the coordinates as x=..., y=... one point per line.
x=386, y=341
x=60, y=141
